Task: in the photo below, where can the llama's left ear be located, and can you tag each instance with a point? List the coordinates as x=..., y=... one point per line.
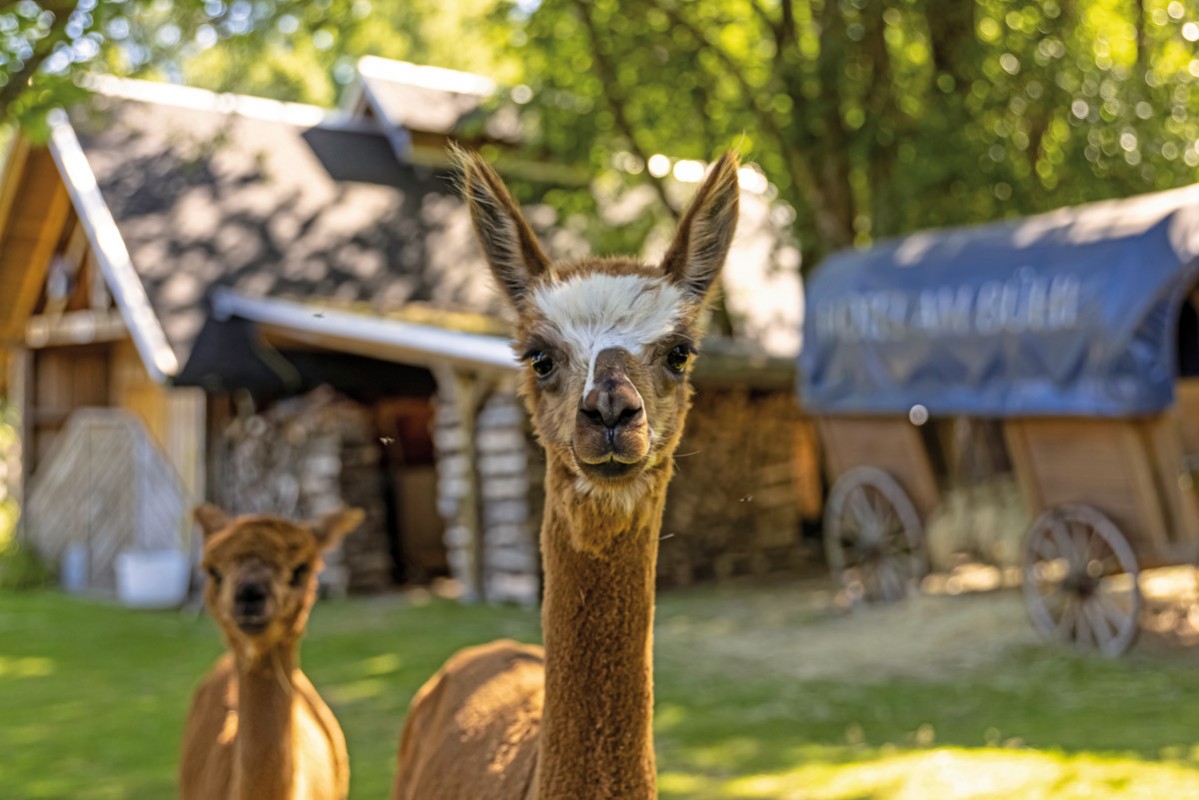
x=702, y=240
x=329, y=529
x=511, y=247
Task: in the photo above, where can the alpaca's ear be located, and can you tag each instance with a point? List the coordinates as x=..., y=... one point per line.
x=702, y=240
x=329, y=529
x=511, y=248
x=210, y=518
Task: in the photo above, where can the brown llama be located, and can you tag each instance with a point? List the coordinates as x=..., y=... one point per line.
x=257, y=729
x=608, y=345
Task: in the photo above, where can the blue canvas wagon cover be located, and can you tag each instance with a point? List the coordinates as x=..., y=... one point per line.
x=1073, y=312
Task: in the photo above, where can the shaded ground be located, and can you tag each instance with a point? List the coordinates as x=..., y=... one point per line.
x=792, y=631
x=762, y=692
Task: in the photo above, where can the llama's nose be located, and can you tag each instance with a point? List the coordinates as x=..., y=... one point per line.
x=250, y=597
x=611, y=407
x=613, y=400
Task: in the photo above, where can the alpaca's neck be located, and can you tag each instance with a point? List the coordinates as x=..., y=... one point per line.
x=596, y=736
x=263, y=765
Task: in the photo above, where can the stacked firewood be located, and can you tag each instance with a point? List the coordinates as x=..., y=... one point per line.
x=734, y=506
x=303, y=457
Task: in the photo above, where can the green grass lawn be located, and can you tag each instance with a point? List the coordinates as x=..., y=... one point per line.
x=93, y=697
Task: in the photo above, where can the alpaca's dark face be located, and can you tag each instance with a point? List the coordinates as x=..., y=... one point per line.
x=608, y=344
x=262, y=571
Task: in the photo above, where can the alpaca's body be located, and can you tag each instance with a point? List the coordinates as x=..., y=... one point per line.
x=608, y=344
x=316, y=749
x=257, y=729
x=472, y=729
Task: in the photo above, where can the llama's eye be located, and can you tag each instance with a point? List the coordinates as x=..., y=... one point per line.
x=541, y=363
x=677, y=358
x=215, y=575
x=299, y=574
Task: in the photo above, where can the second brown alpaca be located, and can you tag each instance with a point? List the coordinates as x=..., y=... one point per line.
x=257, y=729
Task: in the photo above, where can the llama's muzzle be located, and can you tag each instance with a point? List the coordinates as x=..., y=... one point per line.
x=611, y=435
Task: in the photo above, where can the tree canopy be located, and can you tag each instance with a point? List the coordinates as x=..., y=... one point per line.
x=877, y=117
x=869, y=117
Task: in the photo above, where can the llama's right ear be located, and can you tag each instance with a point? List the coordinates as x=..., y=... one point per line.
x=701, y=243
x=331, y=528
x=509, y=243
x=211, y=519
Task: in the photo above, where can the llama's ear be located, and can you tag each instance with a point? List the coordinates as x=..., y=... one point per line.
x=210, y=518
x=702, y=240
x=329, y=529
x=509, y=243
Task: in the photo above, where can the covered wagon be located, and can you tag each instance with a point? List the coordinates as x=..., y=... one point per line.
x=1076, y=333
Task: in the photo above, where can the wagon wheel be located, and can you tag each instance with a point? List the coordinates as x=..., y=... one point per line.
x=872, y=537
x=1081, y=580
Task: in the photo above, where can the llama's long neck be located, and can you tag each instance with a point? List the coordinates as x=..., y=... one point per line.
x=596, y=736
x=264, y=761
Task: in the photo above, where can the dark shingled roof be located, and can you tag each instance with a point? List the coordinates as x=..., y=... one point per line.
x=208, y=198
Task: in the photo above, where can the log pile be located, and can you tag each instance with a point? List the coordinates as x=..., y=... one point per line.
x=504, y=490
x=735, y=504
x=302, y=458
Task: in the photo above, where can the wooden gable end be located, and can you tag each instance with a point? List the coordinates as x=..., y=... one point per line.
x=34, y=210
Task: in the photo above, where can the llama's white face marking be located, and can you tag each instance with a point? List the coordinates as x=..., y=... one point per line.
x=597, y=312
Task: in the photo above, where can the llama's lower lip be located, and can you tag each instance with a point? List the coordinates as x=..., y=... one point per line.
x=610, y=469
x=252, y=625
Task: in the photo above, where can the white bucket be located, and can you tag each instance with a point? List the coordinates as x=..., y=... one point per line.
x=152, y=578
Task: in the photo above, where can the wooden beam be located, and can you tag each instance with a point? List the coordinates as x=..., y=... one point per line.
x=75, y=327
x=20, y=384
x=34, y=274
x=10, y=180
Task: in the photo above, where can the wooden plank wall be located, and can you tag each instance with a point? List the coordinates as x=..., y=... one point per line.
x=174, y=416
x=1106, y=463
x=891, y=444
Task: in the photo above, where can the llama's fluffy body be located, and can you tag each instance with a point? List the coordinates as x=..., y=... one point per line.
x=321, y=764
x=473, y=727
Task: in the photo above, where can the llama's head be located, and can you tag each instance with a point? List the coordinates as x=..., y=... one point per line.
x=262, y=571
x=607, y=344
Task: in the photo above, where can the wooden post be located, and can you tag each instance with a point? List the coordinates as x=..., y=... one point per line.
x=469, y=392
x=20, y=363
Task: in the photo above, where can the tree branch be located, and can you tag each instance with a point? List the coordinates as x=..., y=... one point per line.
x=798, y=168
x=18, y=81
x=616, y=101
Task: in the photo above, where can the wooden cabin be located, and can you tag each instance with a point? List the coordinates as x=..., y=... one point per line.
x=290, y=302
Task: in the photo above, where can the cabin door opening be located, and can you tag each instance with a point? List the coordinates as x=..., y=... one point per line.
x=416, y=529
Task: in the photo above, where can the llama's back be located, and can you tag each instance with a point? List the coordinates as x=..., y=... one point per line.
x=471, y=731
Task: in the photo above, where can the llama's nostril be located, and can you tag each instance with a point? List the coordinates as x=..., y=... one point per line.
x=627, y=415
x=250, y=594
x=593, y=415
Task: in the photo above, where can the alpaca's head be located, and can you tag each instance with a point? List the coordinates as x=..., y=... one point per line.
x=607, y=344
x=262, y=571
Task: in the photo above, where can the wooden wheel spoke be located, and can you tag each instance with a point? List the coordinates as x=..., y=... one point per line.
x=1080, y=542
x=860, y=508
x=1115, y=616
x=1061, y=540
x=1065, y=622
